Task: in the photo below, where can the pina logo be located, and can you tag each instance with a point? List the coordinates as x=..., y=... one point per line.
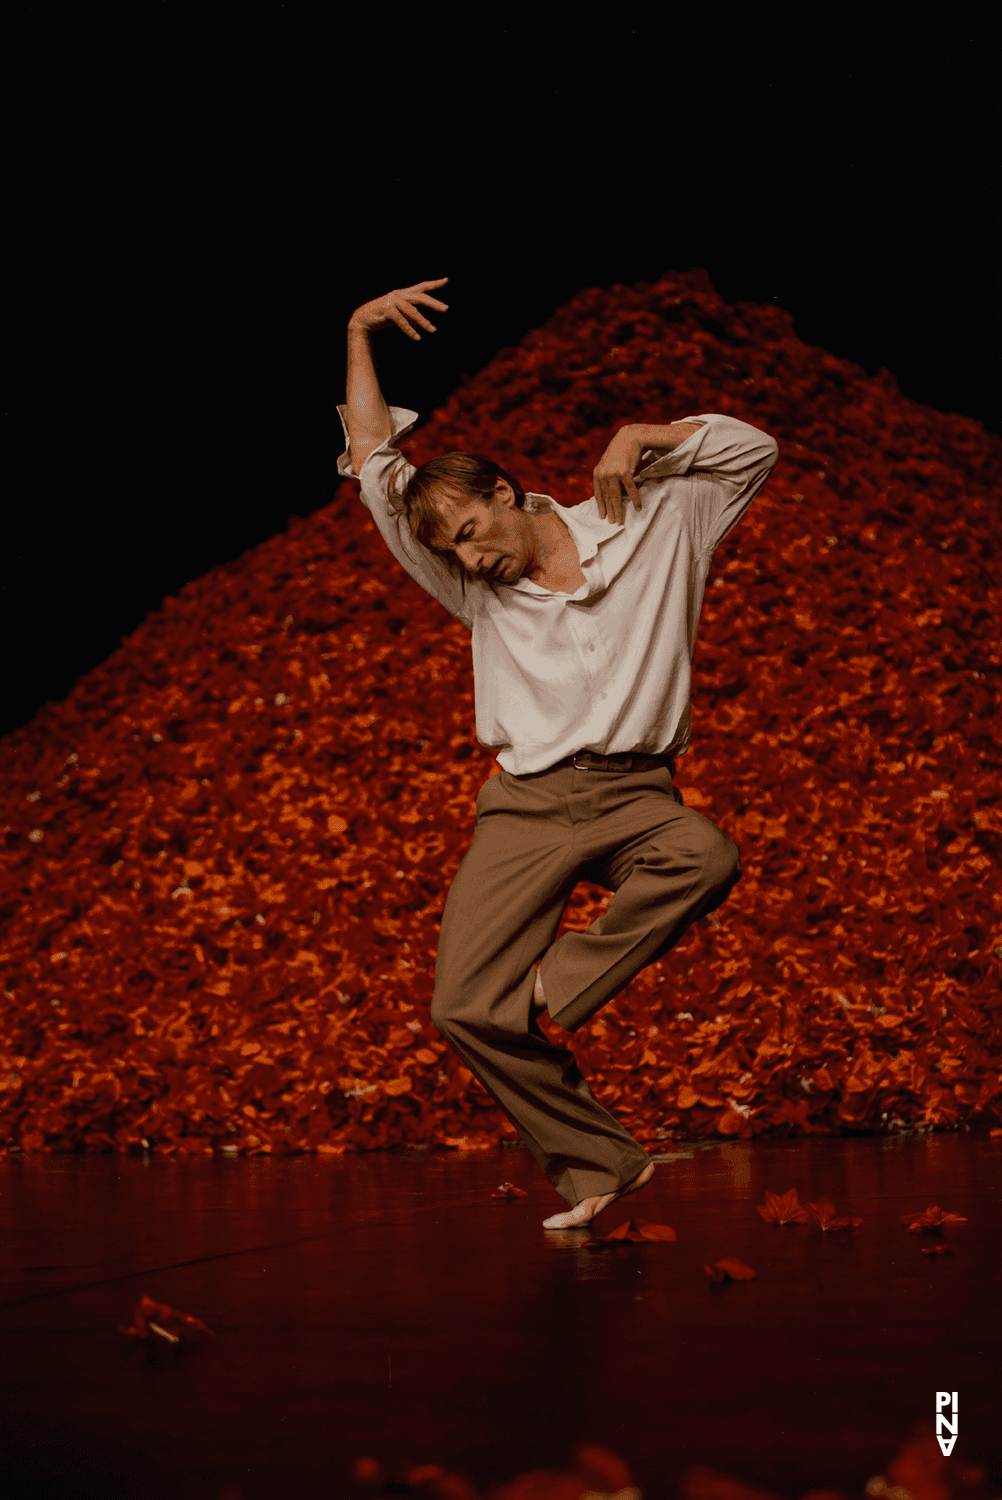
x=946, y=1416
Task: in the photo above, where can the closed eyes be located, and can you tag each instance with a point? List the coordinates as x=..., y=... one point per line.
x=459, y=539
x=450, y=547
x=464, y=534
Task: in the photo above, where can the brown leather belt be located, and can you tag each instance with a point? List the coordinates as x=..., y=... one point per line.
x=587, y=760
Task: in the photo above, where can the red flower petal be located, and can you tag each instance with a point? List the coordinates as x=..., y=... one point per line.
x=645, y=1231
x=729, y=1268
x=931, y=1221
x=783, y=1210
x=509, y=1190
x=636, y=1230
x=159, y=1321
x=824, y=1212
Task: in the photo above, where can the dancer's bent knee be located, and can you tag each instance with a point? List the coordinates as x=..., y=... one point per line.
x=722, y=866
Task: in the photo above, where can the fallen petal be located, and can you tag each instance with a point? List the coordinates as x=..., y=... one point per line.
x=647, y=1231
x=824, y=1212
x=165, y=1322
x=509, y=1190
x=729, y=1268
x=637, y=1230
x=783, y=1210
x=931, y=1221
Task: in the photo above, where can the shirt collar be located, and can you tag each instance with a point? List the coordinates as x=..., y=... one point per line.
x=587, y=530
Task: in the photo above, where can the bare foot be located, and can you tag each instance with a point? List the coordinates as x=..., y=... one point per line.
x=583, y=1213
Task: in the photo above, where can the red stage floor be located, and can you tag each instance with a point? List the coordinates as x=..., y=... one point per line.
x=385, y=1305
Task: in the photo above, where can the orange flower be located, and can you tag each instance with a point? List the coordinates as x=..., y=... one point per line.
x=932, y=1221
x=824, y=1212
x=785, y=1210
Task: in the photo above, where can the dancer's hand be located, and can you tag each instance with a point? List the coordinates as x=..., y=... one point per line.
x=613, y=476
x=400, y=307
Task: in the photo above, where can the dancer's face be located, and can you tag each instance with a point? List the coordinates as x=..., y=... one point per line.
x=491, y=541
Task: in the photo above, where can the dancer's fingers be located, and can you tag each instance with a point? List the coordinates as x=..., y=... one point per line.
x=419, y=288
x=411, y=312
x=613, y=493
x=402, y=322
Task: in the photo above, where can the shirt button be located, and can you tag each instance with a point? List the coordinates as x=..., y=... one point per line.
x=605, y=695
x=591, y=648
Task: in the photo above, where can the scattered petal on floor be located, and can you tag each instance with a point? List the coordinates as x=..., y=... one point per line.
x=509, y=1190
x=729, y=1268
x=783, y=1210
x=824, y=1212
x=636, y=1230
x=157, y=1321
x=932, y=1221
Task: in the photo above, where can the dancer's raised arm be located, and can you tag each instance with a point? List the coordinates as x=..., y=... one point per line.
x=367, y=413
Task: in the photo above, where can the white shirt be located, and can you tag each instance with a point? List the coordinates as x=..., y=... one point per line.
x=606, y=668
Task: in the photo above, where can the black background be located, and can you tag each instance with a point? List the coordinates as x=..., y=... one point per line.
x=198, y=205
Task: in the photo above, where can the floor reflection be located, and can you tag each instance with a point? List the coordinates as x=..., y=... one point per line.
x=386, y=1305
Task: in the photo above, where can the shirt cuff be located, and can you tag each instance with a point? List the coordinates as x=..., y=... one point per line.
x=402, y=419
x=679, y=459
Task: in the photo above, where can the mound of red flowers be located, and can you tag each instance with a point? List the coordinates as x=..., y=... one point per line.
x=225, y=855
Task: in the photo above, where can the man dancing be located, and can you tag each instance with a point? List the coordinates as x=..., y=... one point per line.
x=583, y=623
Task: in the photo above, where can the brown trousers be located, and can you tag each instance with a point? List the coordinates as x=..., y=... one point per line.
x=537, y=836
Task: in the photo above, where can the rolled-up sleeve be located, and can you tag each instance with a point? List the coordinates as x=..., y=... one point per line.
x=728, y=462
x=442, y=578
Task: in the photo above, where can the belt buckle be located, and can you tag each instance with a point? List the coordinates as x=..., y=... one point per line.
x=623, y=756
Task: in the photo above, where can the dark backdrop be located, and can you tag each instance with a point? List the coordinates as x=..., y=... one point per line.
x=196, y=214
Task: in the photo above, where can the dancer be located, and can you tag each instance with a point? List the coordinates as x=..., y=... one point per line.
x=583, y=623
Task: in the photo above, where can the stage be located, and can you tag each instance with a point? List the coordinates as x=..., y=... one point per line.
x=384, y=1305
